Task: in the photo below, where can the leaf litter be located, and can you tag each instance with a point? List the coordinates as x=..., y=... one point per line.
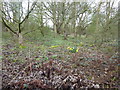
x=58, y=70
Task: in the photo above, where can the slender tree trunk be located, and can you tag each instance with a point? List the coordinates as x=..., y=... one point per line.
x=20, y=38
x=55, y=28
x=54, y=17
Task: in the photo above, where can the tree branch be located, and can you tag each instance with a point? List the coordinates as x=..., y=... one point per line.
x=28, y=12
x=47, y=8
x=8, y=27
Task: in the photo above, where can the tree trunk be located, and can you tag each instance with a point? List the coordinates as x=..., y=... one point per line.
x=55, y=28
x=20, y=38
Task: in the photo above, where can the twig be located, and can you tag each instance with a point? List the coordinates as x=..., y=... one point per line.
x=20, y=72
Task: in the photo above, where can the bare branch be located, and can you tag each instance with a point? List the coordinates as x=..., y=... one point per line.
x=9, y=27
x=28, y=12
x=47, y=8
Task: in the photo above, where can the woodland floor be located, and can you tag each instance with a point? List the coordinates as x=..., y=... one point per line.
x=58, y=69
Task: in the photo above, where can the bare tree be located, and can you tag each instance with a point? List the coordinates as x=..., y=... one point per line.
x=13, y=17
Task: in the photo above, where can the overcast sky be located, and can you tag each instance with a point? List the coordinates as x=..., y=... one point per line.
x=115, y=5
